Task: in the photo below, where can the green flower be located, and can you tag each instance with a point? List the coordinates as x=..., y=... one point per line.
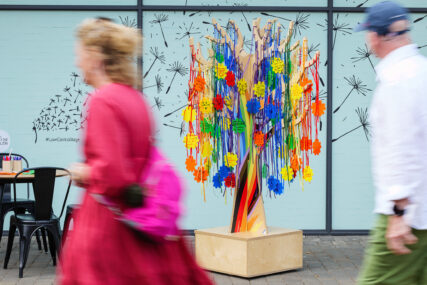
x=206, y=126
x=238, y=126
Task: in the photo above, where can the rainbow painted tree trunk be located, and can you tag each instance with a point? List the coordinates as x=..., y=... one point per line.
x=249, y=117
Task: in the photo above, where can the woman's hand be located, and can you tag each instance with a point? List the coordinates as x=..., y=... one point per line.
x=80, y=174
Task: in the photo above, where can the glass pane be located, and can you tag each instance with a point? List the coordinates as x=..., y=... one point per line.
x=314, y=3
x=166, y=40
x=354, y=82
x=368, y=3
x=69, y=2
x=41, y=86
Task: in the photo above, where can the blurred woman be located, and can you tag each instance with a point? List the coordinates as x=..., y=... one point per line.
x=101, y=249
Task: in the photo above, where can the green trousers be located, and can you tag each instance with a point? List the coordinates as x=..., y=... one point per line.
x=383, y=267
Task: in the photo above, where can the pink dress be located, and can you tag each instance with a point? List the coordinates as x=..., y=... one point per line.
x=100, y=249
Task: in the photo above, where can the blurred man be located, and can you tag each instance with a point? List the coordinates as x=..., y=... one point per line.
x=397, y=253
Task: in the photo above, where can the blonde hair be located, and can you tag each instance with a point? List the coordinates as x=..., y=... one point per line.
x=119, y=45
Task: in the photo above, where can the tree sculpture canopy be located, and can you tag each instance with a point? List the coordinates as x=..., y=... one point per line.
x=251, y=116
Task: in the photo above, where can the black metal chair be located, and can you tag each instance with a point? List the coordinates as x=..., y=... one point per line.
x=69, y=215
x=22, y=204
x=43, y=217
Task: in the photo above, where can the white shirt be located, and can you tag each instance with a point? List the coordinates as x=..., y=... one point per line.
x=398, y=117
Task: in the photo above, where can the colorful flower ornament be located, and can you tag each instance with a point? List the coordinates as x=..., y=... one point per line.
x=190, y=163
x=205, y=105
x=230, y=78
x=217, y=180
x=305, y=143
x=206, y=126
x=308, y=174
x=253, y=106
x=191, y=140
x=218, y=102
x=224, y=171
x=199, y=83
x=318, y=108
x=278, y=65
x=189, y=114
x=296, y=92
x=207, y=149
x=242, y=87
x=221, y=71
x=259, y=138
x=230, y=160
x=259, y=89
x=287, y=173
x=230, y=180
x=200, y=174
x=238, y=126
x=295, y=163
x=271, y=111
x=316, y=147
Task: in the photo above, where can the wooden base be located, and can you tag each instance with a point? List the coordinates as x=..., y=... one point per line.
x=247, y=254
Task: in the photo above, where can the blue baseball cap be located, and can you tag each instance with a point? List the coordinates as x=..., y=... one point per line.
x=380, y=16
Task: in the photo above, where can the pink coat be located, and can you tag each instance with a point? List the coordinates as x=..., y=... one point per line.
x=100, y=249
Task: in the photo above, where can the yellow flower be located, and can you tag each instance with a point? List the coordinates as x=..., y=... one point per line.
x=230, y=159
x=278, y=65
x=242, y=86
x=259, y=89
x=287, y=173
x=191, y=140
x=205, y=105
x=307, y=174
x=221, y=70
x=296, y=92
x=206, y=149
x=228, y=103
x=189, y=114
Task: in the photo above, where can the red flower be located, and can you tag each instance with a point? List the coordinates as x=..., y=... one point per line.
x=230, y=181
x=305, y=143
x=230, y=78
x=218, y=102
x=259, y=138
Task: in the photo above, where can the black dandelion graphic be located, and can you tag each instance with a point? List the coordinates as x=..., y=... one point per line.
x=363, y=54
x=423, y=46
x=363, y=3
x=186, y=31
x=363, y=119
x=356, y=85
x=159, y=84
x=420, y=19
x=74, y=77
x=185, y=5
x=126, y=21
x=174, y=111
x=181, y=128
x=160, y=18
x=300, y=23
x=158, y=56
x=176, y=68
x=274, y=16
x=243, y=14
x=158, y=103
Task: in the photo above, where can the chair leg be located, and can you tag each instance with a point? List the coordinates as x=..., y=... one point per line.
x=52, y=246
x=12, y=230
x=2, y=215
x=39, y=244
x=66, y=228
x=24, y=246
x=43, y=231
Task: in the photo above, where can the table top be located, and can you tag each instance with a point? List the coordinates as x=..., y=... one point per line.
x=23, y=178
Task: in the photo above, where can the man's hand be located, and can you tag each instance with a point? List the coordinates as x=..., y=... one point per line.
x=80, y=174
x=398, y=235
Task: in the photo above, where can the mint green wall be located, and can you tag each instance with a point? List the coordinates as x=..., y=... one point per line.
x=37, y=62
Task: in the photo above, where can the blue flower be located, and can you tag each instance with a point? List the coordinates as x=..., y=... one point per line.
x=217, y=180
x=271, y=111
x=224, y=171
x=272, y=183
x=279, y=188
x=253, y=106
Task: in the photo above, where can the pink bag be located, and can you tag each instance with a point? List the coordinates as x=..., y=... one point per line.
x=159, y=214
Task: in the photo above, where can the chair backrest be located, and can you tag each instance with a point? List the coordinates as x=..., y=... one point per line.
x=44, y=187
x=5, y=194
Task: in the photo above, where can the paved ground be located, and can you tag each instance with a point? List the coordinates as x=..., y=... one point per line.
x=327, y=260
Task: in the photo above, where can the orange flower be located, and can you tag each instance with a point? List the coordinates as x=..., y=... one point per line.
x=190, y=164
x=295, y=163
x=316, y=147
x=199, y=83
x=259, y=138
x=318, y=108
x=200, y=174
x=305, y=143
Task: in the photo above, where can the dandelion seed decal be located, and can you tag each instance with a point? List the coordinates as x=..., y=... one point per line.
x=420, y=19
x=174, y=111
x=363, y=54
x=74, y=77
x=363, y=3
x=158, y=103
x=356, y=85
x=274, y=16
x=176, y=68
x=363, y=119
x=160, y=18
x=128, y=22
x=301, y=23
x=158, y=56
x=181, y=128
x=159, y=84
x=187, y=31
x=243, y=14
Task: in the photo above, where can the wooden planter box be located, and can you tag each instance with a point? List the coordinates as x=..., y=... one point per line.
x=247, y=254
